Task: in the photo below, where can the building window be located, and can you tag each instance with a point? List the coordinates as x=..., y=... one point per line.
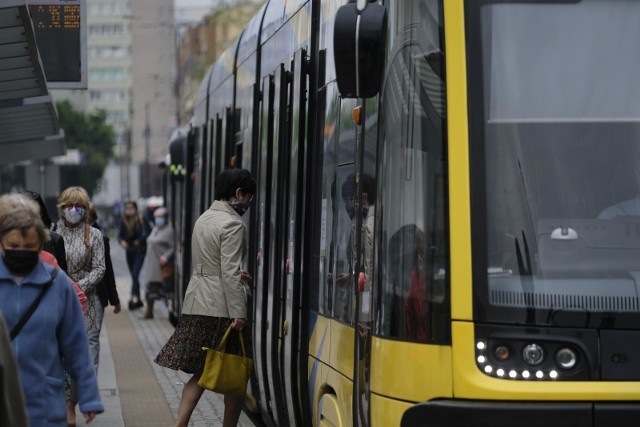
x=106, y=30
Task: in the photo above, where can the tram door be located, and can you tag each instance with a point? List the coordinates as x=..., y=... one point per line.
x=261, y=333
x=283, y=126
x=289, y=352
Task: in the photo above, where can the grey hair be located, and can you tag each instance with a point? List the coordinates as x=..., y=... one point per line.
x=20, y=216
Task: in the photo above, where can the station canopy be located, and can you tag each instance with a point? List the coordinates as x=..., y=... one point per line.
x=29, y=128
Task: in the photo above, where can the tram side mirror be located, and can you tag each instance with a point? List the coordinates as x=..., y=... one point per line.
x=359, y=40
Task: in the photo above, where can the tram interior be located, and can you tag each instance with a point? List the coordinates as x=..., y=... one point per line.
x=549, y=186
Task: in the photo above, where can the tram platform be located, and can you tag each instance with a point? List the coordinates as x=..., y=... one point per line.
x=135, y=391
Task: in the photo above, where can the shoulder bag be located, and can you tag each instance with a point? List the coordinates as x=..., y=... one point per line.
x=226, y=373
x=27, y=314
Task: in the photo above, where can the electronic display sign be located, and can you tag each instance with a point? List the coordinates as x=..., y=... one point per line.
x=61, y=37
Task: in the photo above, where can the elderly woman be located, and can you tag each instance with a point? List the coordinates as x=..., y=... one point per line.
x=86, y=265
x=215, y=297
x=53, y=338
x=9, y=202
x=159, y=256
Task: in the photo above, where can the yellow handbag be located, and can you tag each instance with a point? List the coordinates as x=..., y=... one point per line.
x=226, y=373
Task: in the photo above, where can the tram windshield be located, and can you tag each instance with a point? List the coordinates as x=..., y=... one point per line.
x=555, y=161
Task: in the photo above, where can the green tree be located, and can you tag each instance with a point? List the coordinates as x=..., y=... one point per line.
x=93, y=137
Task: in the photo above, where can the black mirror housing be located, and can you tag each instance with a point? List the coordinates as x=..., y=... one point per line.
x=359, y=42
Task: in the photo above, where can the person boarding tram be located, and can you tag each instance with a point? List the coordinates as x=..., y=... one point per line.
x=216, y=295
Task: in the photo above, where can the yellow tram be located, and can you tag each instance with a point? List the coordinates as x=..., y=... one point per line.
x=445, y=231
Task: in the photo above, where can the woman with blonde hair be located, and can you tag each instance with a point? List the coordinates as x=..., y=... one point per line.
x=86, y=265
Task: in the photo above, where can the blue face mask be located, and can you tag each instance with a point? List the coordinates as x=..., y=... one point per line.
x=160, y=221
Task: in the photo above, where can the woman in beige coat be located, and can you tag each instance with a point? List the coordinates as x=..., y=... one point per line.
x=215, y=296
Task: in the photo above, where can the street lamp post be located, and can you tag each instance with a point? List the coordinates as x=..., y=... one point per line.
x=147, y=140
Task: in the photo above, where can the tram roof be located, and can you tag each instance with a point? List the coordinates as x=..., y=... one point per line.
x=28, y=118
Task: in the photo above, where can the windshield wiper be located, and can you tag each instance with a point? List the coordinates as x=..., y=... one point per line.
x=526, y=278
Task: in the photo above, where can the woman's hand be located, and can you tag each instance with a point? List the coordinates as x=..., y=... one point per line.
x=238, y=324
x=89, y=416
x=162, y=260
x=124, y=245
x=245, y=277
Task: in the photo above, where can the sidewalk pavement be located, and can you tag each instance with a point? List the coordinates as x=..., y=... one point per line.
x=152, y=335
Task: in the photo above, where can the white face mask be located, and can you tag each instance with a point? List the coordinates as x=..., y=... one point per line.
x=74, y=215
x=160, y=221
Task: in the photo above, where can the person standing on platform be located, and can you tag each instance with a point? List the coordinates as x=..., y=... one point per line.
x=132, y=236
x=216, y=296
x=85, y=260
x=53, y=339
x=55, y=244
x=49, y=253
x=159, y=257
x=106, y=288
x=106, y=293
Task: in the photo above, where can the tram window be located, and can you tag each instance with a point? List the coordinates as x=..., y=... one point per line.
x=343, y=245
x=347, y=135
x=413, y=303
x=328, y=202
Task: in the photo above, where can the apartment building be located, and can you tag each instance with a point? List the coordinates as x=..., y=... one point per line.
x=131, y=75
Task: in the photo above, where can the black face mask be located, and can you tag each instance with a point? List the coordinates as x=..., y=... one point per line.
x=20, y=262
x=352, y=210
x=240, y=207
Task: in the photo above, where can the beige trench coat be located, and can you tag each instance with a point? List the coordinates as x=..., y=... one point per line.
x=217, y=249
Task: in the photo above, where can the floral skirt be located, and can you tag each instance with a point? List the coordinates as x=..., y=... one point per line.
x=184, y=351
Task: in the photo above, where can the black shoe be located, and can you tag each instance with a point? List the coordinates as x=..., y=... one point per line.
x=134, y=305
x=139, y=304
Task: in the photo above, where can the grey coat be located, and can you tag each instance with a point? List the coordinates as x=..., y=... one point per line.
x=217, y=249
x=159, y=244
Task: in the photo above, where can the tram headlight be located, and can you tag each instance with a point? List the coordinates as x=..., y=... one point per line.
x=566, y=358
x=502, y=352
x=533, y=354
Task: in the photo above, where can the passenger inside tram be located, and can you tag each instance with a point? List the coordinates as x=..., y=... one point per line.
x=548, y=188
x=562, y=207
x=344, y=282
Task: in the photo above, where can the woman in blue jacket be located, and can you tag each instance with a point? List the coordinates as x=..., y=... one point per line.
x=54, y=338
